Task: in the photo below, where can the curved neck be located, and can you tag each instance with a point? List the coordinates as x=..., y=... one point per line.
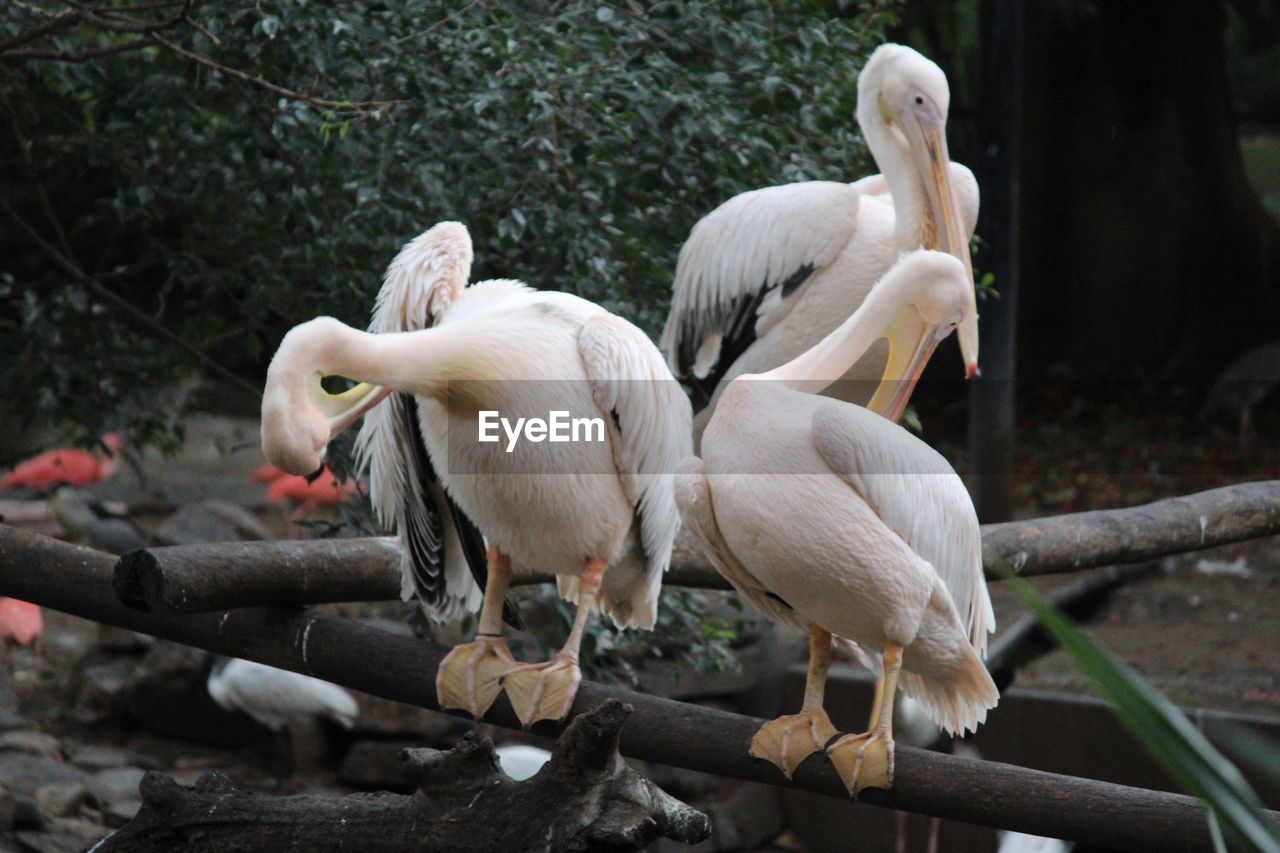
x=420, y=363
x=830, y=358
x=913, y=217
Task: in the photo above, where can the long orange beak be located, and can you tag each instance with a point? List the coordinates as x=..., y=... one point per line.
x=911, y=344
x=927, y=136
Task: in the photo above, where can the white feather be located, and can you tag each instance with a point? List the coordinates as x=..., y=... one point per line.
x=919, y=496
x=420, y=286
x=749, y=244
x=628, y=377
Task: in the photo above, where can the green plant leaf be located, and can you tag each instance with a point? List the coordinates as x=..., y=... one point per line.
x=1162, y=729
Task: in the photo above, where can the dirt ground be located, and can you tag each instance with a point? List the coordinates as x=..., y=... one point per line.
x=1205, y=640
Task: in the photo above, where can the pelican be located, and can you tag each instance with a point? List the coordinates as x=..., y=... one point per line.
x=767, y=274
x=574, y=508
x=830, y=517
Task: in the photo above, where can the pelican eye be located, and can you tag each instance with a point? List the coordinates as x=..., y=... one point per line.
x=919, y=100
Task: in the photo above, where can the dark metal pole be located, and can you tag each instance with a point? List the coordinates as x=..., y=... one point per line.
x=992, y=398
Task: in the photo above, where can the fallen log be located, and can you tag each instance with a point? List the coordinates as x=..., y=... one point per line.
x=205, y=578
x=585, y=798
x=79, y=581
x=1082, y=540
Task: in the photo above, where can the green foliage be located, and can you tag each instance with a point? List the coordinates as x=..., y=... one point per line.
x=696, y=629
x=1162, y=729
x=579, y=143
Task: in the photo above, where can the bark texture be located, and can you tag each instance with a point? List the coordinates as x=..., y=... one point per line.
x=585, y=798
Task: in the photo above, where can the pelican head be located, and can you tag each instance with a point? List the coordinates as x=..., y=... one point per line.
x=299, y=417
x=903, y=100
x=932, y=295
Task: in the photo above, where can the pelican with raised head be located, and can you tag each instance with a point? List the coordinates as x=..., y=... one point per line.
x=830, y=517
x=767, y=274
x=595, y=508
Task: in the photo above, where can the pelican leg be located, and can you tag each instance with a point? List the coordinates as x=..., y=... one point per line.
x=545, y=691
x=788, y=741
x=866, y=760
x=470, y=676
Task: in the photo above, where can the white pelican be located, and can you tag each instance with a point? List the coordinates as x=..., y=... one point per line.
x=573, y=508
x=828, y=516
x=767, y=274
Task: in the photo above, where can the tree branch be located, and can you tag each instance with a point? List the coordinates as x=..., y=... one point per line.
x=82, y=56
x=56, y=24
x=202, y=578
x=106, y=18
x=356, y=108
x=78, y=580
x=585, y=798
x=112, y=20
x=96, y=287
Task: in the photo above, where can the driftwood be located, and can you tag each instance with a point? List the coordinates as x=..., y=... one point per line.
x=585, y=798
x=1066, y=543
x=206, y=578
x=79, y=581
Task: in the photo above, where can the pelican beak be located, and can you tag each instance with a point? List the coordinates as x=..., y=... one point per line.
x=344, y=409
x=926, y=132
x=911, y=344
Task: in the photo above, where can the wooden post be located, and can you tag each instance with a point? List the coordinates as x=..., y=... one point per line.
x=992, y=398
x=224, y=576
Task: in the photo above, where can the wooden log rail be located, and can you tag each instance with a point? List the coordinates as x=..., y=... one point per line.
x=80, y=581
x=205, y=578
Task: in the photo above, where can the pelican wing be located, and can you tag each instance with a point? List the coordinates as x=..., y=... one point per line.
x=965, y=186
x=918, y=495
x=742, y=270
x=630, y=384
x=443, y=560
x=697, y=508
x=694, y=499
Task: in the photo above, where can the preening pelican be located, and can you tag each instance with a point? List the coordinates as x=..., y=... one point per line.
x=575, y=508
x=767, y=274
x=830, y=517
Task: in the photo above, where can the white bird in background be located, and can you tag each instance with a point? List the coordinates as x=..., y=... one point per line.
x=770, y=272
x=1017, y=842
x=521, y=761
x=277, y=697
x=830, y=517
x=573, y=508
